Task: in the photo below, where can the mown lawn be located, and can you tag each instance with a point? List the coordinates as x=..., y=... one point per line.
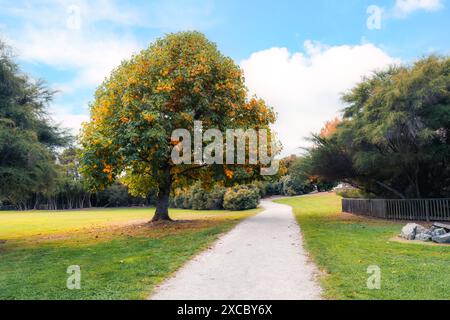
x=344, y=246
x=121, y=256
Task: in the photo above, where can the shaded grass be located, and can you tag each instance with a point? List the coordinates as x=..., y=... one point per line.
x=118, y=259
x=344, y=246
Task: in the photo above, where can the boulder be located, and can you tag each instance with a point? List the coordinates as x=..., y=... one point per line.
x=445, y=238
x=423, y=237
x=438, y=232
x=442, y=225
x=420, y=229
x=409, y=231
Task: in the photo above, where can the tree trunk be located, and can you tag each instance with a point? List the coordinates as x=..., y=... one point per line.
x=416, y=182
x=391, y=189
x=162, y=205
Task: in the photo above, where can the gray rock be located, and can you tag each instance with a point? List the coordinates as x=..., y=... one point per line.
x=420, y=229
x=423, y=237
x=409, y=231
x=438, y=232
x=445, y=238
x=442, y=225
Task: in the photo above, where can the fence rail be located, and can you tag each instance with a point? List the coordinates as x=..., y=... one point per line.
x=399, y=209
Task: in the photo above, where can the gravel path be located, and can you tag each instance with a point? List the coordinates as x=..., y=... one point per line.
x=261, y=258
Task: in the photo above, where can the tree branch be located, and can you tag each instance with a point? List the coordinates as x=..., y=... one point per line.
x=390, y=189
x=191, y=169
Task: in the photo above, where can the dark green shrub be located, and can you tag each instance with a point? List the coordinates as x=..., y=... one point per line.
x=262, y=187
x=187, y=200
x=292, y=186
x=115, y=195
x=215, y=198
x=350, y=193
x=241, y=198
x=198, y=198
x=177, y=201
x=275, y=188
x=325, y=186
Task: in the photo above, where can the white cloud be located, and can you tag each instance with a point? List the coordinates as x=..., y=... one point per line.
x=45, y=35
x=305, y=87
x=405, y=7
x=91, y=57
x=67, y=120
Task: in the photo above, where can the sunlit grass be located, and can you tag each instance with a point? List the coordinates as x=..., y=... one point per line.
x=17, y=224
x=343, y=246
x=121, y=255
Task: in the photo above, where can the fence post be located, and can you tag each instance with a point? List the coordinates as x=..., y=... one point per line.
x=427, y=211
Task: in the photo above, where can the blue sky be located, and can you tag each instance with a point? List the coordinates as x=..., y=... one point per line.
x=297, y=55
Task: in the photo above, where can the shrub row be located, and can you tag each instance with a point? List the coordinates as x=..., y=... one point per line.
x=285, y=186
x=199, y=198
x=240, y=197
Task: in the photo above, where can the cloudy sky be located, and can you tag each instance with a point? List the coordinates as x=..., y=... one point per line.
x=297, y=55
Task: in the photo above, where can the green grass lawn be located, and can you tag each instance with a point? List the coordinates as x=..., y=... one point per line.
x=343, y=246
x=121, y=256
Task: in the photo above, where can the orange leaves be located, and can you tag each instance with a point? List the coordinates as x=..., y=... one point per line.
x=186, y=116
x=228, y=172
x=124, y=120
x=104, y=108
x=148, y=117
x=197, y=89
x=199, y=69
x=330, y=128
x=258, y=109
x=228, y=84
x=108, y=170
x=164, y=72
x=131, y=80
x=164, y=86
x=234, y=106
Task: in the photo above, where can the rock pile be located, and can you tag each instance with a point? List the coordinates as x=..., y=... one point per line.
x=438, y=232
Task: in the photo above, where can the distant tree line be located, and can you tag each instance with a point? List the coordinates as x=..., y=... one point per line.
x=39, y=166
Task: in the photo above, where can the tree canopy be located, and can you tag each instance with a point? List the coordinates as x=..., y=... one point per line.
x=394, y=139
x=28, y=138
x=177, y=80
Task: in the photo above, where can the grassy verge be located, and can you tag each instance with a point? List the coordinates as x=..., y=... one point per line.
x=121, y=256
x=344, y=246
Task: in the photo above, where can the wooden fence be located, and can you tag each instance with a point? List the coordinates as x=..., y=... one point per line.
x=398, y=209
